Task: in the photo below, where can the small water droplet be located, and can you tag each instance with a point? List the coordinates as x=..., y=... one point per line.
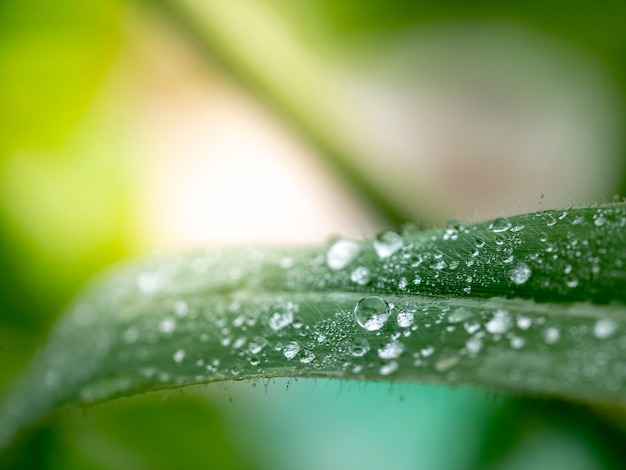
x=371, y=312
x=282, y=317
x=604, y=328
x=291, y=349
x=391, y=350
x=523, y=323
x=517, y=342
x=500, y=323
x=551, y=335
x=600, y=221
x=387, y=243
x=256, y=345
x=550, y=220
x=130, y=335
x=501, y=224
x=520, y=273
x=167, y=325
x=479, y=242
x=178, y=356
x=148, y=283
x=405, y=318
x=571, y=281
x=359, y=347
x=446, y=363
x=428, y=351
x=307, y=356
x=403, y=283
x=341, y=253
x=459, y=315
x=389, y=368
x=417, y=280
x=360, y=275
x=474, y=345
x=181, y=309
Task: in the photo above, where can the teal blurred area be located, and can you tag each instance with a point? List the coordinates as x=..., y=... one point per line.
x=124, y=133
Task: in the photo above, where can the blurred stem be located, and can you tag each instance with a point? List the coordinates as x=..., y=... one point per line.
x=254, y=47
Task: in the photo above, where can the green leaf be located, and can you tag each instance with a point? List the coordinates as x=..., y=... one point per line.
x=531, y=304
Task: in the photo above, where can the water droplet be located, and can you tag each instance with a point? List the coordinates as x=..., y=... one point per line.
x=389, y=368
x=446, y=363
x=551, y=335
x=417, y=280
x=604, y=328
x=130, y=335
x=571, y=281
x=474, y=344
x=405, y=318
x=501, y=224
x=256, y=345
x=500, y=323
x=282, y=317
x=181, y=309
x=360, y=275
x=479, y=242
x=517, y=342
x=371, y=312
x=428, y=351
x=148, y=283
x=438, y=265
x=471, y=327
x=520, y=273
x=387, y=243
x=167, y=325
x=523, y=323
x=359, y=347
x=341, y=253
x=459, y=315
x=307, y=356
x=599, y=221
x=178, y=356
x=291, y=349
x=550, y=220
x=391, y=350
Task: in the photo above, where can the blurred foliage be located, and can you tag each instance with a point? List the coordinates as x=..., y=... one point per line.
x=60, y=207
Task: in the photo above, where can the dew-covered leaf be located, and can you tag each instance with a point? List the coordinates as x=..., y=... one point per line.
x=531, y=304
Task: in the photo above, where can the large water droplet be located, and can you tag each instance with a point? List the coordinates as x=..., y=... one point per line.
x=520, y=273
x=291, y=349
x=359, y=347
x=341, y=253
x=391, y=350
x=387, y=243
x=371, y=312
x=501, y=224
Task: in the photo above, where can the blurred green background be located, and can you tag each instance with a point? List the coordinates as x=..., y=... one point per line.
x=132, y=127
